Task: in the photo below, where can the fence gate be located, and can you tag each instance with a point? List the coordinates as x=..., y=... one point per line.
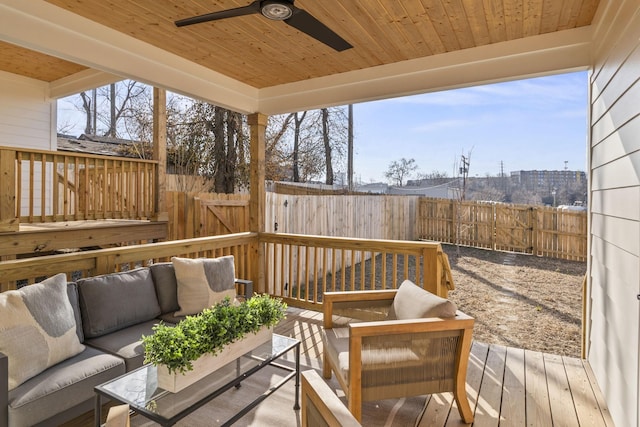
x=217, y=217
x=514, y=228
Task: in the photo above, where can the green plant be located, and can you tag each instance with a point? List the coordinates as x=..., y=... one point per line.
x=178, y=345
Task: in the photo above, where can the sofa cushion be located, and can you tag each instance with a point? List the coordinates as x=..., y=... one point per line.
x=114, y=301
x=203, y=282
x=164, y=279
x=125, y=343
x=37, y=328
x=413, y=302
x=72, y=293
x=62, y=386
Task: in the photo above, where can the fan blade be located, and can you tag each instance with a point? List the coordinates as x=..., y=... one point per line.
x=214, y=16
x=305, y=22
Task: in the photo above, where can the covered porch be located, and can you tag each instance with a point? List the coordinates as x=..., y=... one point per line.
x=54, y=48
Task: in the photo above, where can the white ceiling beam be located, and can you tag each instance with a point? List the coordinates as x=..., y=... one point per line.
x=80, y=82
x=553, y=53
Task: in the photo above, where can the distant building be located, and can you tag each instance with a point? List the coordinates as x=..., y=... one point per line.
x=545, y=180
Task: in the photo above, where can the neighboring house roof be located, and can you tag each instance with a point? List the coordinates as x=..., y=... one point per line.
x=93, y=144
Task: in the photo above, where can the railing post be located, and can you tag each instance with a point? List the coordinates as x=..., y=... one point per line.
x=432, y=272
x=9, y=221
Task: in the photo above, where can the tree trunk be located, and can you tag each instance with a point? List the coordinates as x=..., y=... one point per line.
x=112, y=117
x=86, y=106
x=327, y=146
x=297, y=120
x=219, y=150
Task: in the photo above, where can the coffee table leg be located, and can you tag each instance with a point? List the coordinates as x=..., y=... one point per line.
x=296, y=405
x=97, y=411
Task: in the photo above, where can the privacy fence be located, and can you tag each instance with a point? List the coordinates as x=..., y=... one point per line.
x=537, y=230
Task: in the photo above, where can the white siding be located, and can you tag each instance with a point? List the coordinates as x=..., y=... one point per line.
x=27, y=120
x=614, y=268
x=25, y=113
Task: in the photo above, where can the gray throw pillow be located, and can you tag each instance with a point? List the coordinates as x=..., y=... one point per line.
x=114, y=301
x=164, y=279
x=413, y=302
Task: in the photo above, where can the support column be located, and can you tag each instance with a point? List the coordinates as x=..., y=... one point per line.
x=257, y=126
x=160, y=152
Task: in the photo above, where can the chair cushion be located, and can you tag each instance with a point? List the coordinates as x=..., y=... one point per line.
x=164, y=279
x=114, y=301
x=203, y=282
x=413, y=302
x=37, y=328
x=62, y=386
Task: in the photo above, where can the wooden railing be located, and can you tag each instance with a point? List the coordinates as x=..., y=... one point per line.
x=102, y=261
x=60, y=186
x=299, y=268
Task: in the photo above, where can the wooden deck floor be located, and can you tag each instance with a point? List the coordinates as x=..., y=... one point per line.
x=506, y=386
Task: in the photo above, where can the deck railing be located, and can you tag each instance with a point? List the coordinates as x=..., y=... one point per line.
x=297, y=268
x=102, y=261
x=60, y=186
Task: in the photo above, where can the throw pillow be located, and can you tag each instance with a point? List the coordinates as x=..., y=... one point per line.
x=37, y=328
x=413, y=302
x=203, y=282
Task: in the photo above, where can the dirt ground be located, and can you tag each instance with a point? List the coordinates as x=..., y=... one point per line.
x=520, y=300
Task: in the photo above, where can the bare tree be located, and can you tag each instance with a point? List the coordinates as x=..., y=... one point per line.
x=399, y=170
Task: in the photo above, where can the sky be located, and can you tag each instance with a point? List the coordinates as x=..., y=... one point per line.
x=533, y=124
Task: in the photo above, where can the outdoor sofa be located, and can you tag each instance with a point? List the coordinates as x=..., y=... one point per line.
x=59, y=340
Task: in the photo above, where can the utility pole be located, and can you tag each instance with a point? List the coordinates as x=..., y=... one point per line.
x=350, y=150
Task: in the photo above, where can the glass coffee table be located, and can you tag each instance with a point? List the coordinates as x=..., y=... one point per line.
x=140, y=391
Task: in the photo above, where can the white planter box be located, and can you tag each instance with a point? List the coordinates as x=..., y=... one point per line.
x=207, y=363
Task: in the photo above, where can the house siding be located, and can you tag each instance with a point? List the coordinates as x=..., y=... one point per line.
x=27, y=120
x=26, y=115
x=614, y=157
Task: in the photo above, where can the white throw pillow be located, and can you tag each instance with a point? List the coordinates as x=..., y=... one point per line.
x=413, y=302
x=203, y=282
x=37, y=328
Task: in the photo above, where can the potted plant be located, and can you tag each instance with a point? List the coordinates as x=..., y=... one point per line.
x=211, y=339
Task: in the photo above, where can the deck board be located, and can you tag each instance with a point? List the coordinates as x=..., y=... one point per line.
x=506, y=386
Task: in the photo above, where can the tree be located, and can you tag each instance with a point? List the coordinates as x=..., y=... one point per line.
x=399, y=170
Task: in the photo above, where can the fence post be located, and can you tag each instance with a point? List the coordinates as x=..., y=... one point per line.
x=533, y=218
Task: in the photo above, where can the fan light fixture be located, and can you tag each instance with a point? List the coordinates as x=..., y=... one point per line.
x=276, y=11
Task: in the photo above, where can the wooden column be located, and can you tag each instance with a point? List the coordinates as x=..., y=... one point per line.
x=8, y=219
x=257, y=125
x=160, y=151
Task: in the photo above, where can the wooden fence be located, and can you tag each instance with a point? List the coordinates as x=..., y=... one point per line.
x=543, y=231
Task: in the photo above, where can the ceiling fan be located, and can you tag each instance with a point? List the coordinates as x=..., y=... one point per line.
x=278, y=10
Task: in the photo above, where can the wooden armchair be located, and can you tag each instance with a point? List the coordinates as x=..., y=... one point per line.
x=321, y=407
x=376, y=358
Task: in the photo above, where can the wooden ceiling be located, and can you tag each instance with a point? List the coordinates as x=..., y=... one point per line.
x=263, y=53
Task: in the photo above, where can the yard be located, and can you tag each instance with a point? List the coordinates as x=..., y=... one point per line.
x=519, y=300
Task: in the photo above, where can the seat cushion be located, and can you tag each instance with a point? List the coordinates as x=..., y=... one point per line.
x=125, y=343
x=62, y=386
x=37, y=328
x=114, y=301
x=374, y=358
x=203, y=282
x=413, y=302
